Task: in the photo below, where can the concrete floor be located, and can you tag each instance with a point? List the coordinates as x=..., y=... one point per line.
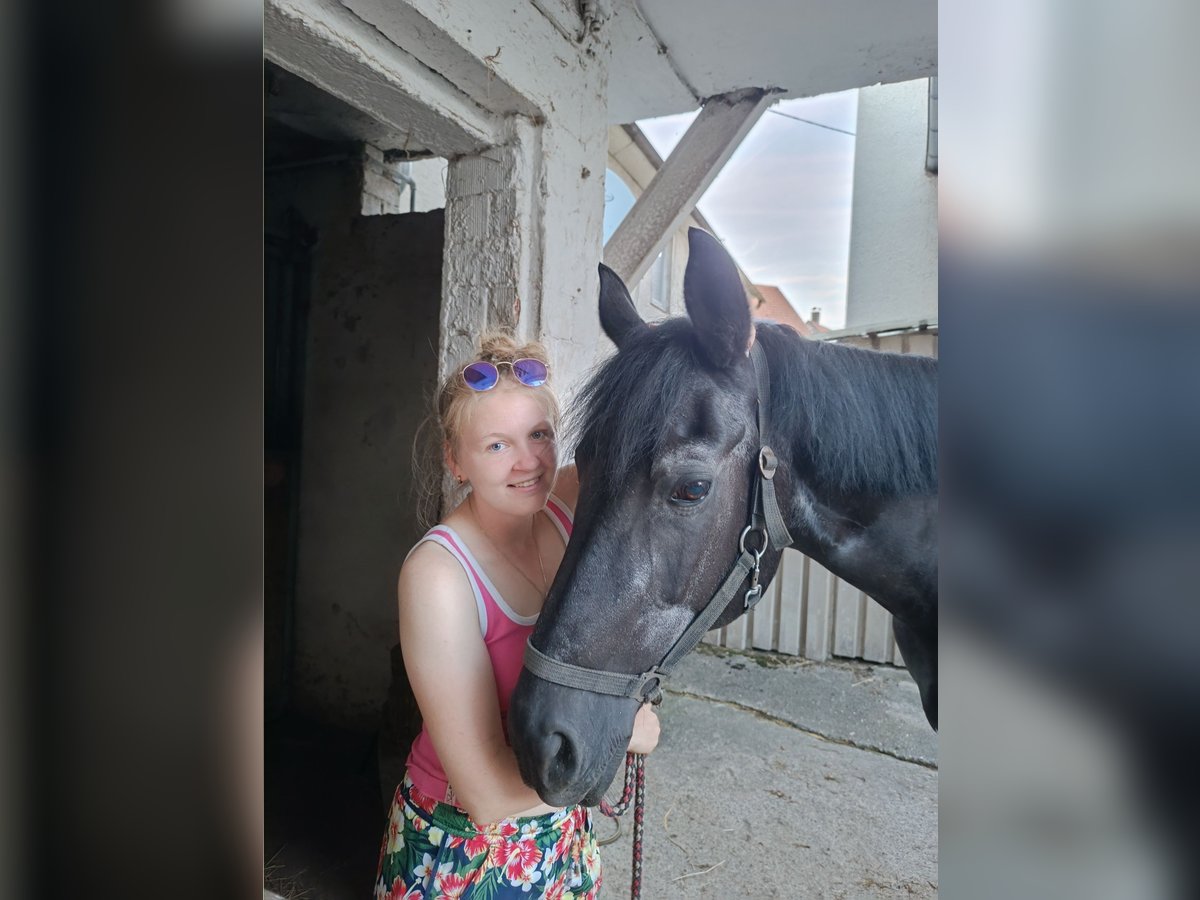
x=786, y=779
x=775, y=777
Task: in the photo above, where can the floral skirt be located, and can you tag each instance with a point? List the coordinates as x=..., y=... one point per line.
x=434, y=850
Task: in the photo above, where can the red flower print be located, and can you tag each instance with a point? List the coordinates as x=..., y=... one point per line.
x=451, y=885
x=475, y=845
x=522, y=859
x=566, y=838
x=498, y=851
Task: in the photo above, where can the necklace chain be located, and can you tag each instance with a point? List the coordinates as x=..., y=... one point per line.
x=544, y=589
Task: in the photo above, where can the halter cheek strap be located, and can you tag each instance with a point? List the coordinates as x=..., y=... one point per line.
x=766, y=525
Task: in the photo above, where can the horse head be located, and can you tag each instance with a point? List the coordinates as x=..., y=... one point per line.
x=666, y=454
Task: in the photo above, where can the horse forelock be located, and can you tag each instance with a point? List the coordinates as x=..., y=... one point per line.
x=627, y=407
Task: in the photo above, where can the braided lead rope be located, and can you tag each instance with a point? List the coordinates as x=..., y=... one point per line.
x=613, y=811
x=639, y=817
x=635, y=790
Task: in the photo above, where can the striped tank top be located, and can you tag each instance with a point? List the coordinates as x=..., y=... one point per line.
x=504, y=634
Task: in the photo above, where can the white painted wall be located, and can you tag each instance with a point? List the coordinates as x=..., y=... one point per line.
x=893, y=226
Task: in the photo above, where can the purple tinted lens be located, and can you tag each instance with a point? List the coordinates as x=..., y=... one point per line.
x=531, y=372
x=481, y=376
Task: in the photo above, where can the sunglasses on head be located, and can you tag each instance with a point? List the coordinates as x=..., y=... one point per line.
x=483, y=375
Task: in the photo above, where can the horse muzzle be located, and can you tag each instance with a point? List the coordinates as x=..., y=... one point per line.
x=568, y=743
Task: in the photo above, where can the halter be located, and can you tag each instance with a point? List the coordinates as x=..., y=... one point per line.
x=765, y=528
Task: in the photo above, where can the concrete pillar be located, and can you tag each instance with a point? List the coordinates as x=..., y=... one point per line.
x=491, y=236
x=524, y=230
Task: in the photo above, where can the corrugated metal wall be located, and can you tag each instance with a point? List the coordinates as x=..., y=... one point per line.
x=808, y=612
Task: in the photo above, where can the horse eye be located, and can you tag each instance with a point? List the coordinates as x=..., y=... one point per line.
x=691, y=492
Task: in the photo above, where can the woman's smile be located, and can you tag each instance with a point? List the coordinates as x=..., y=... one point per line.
x=527, y=484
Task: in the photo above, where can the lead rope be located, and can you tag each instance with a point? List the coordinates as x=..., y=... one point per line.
x=635, y=788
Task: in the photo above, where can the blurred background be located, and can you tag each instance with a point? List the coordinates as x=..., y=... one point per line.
x=1069, y=216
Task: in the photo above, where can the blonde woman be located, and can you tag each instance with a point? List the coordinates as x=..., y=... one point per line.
x=463, y=823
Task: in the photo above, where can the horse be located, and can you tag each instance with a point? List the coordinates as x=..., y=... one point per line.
x=669, y=451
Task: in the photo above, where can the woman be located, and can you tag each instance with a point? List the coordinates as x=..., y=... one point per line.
x=470, y=592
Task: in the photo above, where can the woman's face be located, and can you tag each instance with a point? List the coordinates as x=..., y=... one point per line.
x=507, y=450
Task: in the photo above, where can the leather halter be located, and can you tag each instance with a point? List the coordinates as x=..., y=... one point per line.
x=767, y=527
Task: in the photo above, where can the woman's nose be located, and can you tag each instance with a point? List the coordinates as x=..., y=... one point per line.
x=528, y=457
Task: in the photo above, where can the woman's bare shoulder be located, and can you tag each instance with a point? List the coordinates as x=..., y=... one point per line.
x=566, y=485
x=431, y=571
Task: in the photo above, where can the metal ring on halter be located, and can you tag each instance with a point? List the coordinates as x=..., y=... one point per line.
x=638, y=692
x=768, y=462
x=762, y=548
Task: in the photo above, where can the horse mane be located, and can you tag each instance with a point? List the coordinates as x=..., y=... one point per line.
x=866, y=421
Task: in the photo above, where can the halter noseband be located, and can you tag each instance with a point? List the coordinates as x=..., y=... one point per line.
x=766, y=523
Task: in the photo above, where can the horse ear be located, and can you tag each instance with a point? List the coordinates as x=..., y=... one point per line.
x=716, y=300
x=618, y=316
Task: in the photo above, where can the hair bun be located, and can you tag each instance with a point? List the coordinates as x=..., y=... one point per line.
x=502, y=346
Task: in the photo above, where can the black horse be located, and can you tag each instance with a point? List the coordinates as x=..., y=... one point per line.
x=666, y=456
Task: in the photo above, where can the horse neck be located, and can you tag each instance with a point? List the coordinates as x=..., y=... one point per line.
x=851, y=422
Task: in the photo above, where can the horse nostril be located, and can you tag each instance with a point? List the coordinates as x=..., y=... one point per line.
x=562, y=760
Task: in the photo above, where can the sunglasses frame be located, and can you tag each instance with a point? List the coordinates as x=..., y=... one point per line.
x=512, y=365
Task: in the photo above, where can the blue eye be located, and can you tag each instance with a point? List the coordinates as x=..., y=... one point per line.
x=496, y=447
x=691, y=492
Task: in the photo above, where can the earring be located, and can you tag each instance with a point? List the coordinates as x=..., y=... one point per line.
x=459, y=479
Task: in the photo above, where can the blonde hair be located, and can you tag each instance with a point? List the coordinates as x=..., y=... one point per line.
x=454, y=403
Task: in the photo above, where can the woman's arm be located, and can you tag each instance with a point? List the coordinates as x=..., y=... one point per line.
x=451, y=676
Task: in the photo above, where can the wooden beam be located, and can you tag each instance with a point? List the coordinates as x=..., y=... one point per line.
x=699, y=157
x=327, y=45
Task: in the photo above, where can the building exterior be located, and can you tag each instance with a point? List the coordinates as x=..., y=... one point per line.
x=893, y=225
x=367, y=307
x=768, y=302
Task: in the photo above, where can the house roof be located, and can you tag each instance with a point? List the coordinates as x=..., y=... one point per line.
x=774, y=305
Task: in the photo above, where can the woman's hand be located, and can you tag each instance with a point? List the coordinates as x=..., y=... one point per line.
x=645, y=730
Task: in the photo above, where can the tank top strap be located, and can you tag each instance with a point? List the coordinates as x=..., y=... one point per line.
x=561, y=516
x=446, y=537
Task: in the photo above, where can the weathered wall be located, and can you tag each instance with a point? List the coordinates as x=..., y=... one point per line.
x=371, y=359
x=524, y=217
x=893, y=226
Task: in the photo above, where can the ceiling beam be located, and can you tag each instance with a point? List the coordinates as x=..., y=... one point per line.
x=685, y=175
x=329, y=46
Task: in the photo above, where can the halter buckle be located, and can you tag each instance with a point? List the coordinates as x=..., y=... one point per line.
x=768, y=462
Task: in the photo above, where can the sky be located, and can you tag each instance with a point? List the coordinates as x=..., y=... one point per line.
x=782, y=202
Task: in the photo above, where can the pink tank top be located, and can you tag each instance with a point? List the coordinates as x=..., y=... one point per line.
x=504, y=634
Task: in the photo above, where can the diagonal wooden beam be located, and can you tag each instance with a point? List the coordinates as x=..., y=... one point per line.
x=685, y=175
